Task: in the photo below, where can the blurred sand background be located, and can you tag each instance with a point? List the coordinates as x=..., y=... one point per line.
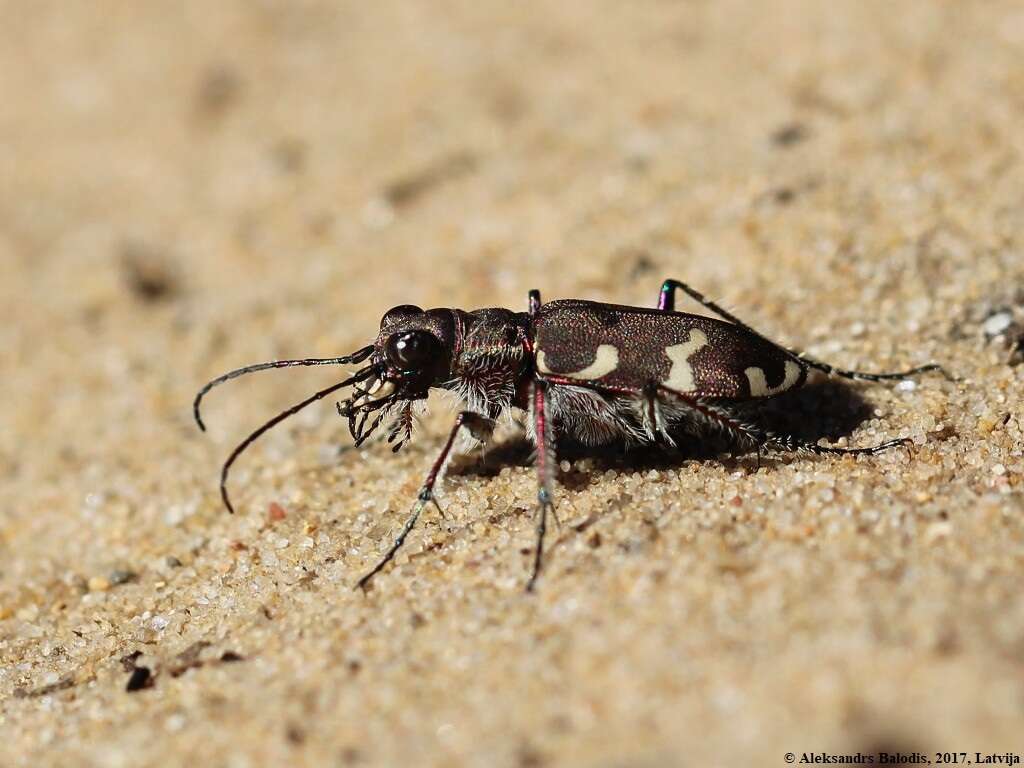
x=186, y=187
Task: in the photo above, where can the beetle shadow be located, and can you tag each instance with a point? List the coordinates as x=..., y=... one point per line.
x=828, y=409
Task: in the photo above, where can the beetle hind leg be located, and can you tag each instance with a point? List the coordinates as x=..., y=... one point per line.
x=667, y=299
x=533, y=302
x=831, y=370
x=667, y=302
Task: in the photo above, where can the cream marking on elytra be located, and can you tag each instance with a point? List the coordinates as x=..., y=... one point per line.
x=680, y=378
x=606, y=361
x=759, y=383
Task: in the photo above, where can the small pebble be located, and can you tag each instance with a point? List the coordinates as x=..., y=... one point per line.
x=121, y=576
x=936, y=531
x=98, y=584
x=141, y=678
x=997, y=323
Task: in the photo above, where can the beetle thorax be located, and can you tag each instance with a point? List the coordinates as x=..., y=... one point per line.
x=491, y=359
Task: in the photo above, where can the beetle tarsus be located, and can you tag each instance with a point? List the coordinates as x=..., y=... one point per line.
x=410, y=523
x=544, y=506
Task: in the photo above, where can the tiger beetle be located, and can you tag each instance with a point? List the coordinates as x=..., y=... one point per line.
x=589, y=371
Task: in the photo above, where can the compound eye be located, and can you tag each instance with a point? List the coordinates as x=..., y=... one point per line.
x=413, y=350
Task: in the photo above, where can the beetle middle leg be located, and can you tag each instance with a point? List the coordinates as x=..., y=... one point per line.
x=545, y=474
x=479, y=427
x=667, y=303
x=654, y=421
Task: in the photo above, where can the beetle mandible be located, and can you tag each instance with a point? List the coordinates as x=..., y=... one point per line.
x=592, y=371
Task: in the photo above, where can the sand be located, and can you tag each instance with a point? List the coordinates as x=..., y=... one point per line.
x=191, y=186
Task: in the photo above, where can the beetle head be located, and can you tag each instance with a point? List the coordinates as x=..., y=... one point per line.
x=412, y=353
x=413, y=350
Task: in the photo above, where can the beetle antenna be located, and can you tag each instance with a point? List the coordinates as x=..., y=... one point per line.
x=360, y=376
x=355, y=357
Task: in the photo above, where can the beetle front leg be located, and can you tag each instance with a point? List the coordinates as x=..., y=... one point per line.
x=479, y=427
x=545, y=474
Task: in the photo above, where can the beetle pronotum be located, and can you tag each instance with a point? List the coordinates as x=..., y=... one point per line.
x=596, y=372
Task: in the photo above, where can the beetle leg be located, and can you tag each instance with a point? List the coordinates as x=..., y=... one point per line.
x=654, y=418
x=667, y=302
x=763, y=439
x=533, y=302
x=794, y=443
x=481, y=428
x=739, y=431
x=865, y=376
x=754, y=436
x=545, y=474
